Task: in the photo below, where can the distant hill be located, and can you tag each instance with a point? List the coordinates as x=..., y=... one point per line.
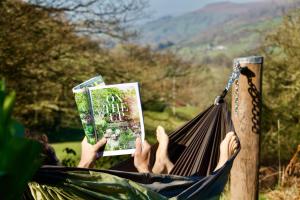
x=224, y=27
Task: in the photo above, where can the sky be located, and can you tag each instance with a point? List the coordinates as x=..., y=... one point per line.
x=159, y=8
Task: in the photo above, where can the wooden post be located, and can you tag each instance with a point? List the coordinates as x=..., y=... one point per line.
x=246, y=116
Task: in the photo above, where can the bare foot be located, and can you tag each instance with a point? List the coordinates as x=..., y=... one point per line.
x=142, y=156
x=227, y=148
x=162, y=163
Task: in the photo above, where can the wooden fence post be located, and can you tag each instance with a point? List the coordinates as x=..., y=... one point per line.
x=246, y=116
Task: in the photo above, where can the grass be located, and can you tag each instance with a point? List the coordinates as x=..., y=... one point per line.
x=72, y=160
x=290, y=191
x=166, y=119
x=261, y=196
x=60, y=149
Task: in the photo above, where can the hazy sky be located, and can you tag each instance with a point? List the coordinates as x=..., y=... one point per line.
x=160, y=8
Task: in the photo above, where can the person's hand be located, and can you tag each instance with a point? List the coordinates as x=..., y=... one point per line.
x=142, y=156
x=89, y=152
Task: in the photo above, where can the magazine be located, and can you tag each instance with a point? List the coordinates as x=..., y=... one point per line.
x=110, y=111
x=118, y=117
x=84, y=108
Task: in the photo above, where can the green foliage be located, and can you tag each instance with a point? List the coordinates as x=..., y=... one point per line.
x=45, y=58
x=282, y=88
x=83, y=106
x=81, y=100
x=187, y=113
x=125, y=138
x=166, y=119
x=39, y=63
x=70, y=160
x=155, y=105
x=19, y=157
x=100, y=96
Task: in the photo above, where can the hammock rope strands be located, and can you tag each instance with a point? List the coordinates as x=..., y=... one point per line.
x=193, y=148
x=202, y=140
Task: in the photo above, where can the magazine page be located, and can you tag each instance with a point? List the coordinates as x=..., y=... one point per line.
x=117, y=116
x=84, y=107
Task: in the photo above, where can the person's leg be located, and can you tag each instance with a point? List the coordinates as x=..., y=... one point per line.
x=227, y=148
x=162, y=164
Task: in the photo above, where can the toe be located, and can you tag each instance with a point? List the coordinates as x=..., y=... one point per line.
x=231, y=143
x=230, y=134
x=159, y=130
x=161, y=134
x=234, y=146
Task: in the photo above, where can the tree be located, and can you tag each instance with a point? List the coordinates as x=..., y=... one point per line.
x=282, y=85
x=43, y=56
x=97, y=17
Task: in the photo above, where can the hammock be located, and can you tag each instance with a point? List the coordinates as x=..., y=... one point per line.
x=193, y=148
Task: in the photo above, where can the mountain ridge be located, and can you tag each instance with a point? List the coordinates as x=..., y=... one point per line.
x=226, y=24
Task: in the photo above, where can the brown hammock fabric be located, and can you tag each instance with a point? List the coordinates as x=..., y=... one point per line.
x=194, y=148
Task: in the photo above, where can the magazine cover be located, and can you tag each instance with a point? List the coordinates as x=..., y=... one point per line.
x=84, y=107
x=117, y=116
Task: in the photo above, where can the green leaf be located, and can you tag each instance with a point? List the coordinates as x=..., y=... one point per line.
x=2, y=85
x=16, y=129
x=19, y=161
x=8, y=106
x=20, y=157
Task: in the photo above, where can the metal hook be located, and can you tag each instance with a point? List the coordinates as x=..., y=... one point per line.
x=234, y=76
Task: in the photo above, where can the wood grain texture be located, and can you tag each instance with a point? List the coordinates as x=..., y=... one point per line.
x=246, y=120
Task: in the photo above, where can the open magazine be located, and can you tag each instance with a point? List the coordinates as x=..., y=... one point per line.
x=110, y=111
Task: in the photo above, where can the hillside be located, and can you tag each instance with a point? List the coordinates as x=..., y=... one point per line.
x=225, y=27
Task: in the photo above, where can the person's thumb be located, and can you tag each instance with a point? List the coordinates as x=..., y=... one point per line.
x=100, y=144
